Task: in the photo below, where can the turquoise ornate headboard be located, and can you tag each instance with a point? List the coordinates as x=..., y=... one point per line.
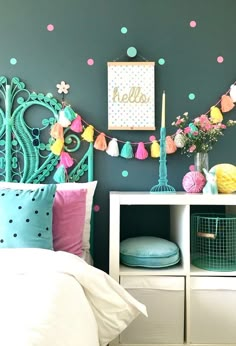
x=25, y=121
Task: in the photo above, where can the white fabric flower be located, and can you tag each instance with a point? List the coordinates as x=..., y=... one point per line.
x=63, y=88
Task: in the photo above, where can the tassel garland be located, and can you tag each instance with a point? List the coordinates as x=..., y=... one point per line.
x=233, y=92
x=226, y=103
x=76, y=125
x=57, y=131
x=170, y=145
x=100, y=142
x=155, y=149
x=127, y=151
x=141, y=152
x=66, y=160
x=88, y=134
x=57, y=146
x=216, y=115
x=113, y=148
x=60, y=175
x=63, y=120
x=69, y=113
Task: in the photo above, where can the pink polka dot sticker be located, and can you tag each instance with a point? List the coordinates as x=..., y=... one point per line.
x=152, y=138
x=220, y=59
x=193, y=24
x=90, y=62
x=50, y=27
x=96, y=208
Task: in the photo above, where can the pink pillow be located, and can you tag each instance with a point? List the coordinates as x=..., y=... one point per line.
x=68, y=220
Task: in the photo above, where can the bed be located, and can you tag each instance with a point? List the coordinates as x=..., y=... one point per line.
x=51, y=294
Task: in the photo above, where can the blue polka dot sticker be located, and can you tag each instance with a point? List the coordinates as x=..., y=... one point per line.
x=13, y=61
x=191, y=96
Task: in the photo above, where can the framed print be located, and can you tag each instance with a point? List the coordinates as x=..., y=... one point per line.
x=131, y=95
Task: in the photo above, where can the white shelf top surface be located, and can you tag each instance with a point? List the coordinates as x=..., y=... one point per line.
x=175, y=198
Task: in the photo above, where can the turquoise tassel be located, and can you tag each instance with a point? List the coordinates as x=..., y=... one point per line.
x=60, y=175
x=69, y=113
x=127, y=151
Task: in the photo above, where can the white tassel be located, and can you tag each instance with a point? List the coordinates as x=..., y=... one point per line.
x=179, y=140
x=63, y=120
x=232, y=92
x=112, y=148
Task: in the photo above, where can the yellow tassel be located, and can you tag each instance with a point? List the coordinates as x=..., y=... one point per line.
x=57, y=146
x=155, y=149
x=88, y=133
x=216, y=115
x=100, y=143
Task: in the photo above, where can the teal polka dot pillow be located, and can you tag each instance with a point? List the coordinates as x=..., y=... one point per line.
x=26, y=217
x=149, y=252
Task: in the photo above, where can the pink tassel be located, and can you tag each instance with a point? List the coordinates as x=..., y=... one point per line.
x=141, y=152
x=77, y=125
x=66, y=160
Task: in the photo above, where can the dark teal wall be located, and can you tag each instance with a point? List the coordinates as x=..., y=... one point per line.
x=92, y=29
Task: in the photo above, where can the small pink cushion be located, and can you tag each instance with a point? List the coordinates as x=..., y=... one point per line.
x=68, y=220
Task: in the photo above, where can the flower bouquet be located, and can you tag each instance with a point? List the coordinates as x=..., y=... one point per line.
x=198, y=135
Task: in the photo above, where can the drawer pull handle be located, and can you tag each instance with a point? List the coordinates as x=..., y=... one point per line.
x=206, y=235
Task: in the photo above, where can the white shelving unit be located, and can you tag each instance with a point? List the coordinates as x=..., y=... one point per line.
x=179, y=204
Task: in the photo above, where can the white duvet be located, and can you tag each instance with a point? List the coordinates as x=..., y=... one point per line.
x=56, y=299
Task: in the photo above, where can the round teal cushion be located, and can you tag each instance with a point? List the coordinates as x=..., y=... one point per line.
x=150, y=252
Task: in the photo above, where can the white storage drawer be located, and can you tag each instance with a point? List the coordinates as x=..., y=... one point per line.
x=213, y=310
x=165, y=302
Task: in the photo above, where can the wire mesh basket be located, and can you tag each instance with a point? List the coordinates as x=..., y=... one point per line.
x=213, y=241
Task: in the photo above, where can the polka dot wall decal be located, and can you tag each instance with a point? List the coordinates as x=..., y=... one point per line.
x=191, y=96
x=50, y=27
x=161, y=61
x=220, y=59
x=124, y=30
x=193, y=24
x=96, y=208
x=125, y=173
x=90, y=62
x=152, y=138
x=13, y=61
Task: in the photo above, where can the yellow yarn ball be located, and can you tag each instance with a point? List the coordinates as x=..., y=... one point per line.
x=226, y=177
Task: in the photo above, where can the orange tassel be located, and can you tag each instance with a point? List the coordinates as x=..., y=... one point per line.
x=100, y=143
x=57, y=146
x=88, y=133
x=170, y=145
x=226, y=103
x=57, y=131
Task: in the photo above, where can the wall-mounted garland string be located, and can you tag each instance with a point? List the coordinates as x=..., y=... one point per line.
x=68, y=118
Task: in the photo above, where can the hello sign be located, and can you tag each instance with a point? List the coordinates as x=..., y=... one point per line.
x=131, y=95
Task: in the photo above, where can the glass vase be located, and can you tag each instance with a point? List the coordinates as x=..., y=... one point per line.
x=201, y=161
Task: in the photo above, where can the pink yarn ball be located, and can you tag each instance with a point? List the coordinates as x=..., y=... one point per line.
x=193, y=182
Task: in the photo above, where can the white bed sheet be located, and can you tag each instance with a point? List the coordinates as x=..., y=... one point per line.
x=56, y=298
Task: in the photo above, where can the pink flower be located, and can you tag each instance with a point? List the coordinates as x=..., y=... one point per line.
x=187, y=129
x=192, y=148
